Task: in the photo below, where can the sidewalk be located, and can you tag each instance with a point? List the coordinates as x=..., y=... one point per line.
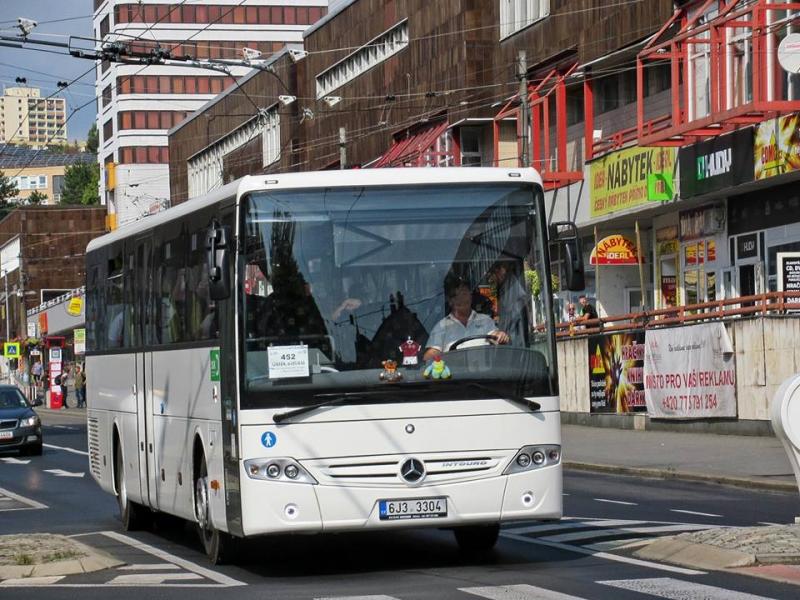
x=747, y=461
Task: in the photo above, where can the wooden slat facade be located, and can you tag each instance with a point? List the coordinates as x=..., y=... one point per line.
x=454, y=47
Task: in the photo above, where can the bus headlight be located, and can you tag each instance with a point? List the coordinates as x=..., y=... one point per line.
x=534, y=457
x=286, y=470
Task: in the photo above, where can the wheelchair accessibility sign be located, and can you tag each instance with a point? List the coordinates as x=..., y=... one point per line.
x=11, y=350
x=269, y=439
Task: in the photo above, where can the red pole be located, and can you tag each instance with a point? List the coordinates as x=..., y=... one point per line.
x=561, y=125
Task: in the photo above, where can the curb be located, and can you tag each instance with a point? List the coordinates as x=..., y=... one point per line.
x=695, y=556
x=95, y=560
x=667, y=473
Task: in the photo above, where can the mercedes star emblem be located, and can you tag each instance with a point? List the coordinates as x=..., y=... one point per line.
x=412, y=470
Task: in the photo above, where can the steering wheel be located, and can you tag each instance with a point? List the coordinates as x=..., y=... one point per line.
x=469, y=338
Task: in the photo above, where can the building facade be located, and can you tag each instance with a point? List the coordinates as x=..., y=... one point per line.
x=27, y=118
x=138, y=105
x=38, y=171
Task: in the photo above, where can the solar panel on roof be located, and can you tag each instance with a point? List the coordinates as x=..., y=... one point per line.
x=18, y=157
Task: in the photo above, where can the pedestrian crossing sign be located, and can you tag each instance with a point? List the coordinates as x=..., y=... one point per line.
x=11, y=350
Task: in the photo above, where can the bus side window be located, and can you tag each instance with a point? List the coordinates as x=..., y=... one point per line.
x=115, y=309
x=201, y=312
x=171, y=291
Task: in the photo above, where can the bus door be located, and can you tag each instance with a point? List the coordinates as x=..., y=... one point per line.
x=148, y=468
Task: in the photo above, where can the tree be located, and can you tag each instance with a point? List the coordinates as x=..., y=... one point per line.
x=8, y=188
x=81, y=182
x=37, y=197
x=92, y=139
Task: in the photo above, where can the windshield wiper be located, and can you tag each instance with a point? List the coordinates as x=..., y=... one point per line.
x=520, y=400
x=332, y=400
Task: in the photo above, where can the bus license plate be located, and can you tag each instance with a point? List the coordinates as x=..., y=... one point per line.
x=414, y=508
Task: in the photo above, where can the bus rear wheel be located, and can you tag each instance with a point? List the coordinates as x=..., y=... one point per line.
x=220, y=547
x=477, y=540
x=134, y=516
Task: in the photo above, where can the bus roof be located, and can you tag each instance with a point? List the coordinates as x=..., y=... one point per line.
x=324, y=179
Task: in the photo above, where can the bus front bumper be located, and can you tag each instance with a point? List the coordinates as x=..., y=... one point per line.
x=278, y=507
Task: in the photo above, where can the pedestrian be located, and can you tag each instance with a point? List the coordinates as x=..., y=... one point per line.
x=57, y=385
x=79, y=381
x=36, y=371
x=64, y=376
x=588, y=311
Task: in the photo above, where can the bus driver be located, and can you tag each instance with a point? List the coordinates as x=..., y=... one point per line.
x=460, y=323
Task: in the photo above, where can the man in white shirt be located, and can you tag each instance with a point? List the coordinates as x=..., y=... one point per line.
x=460, y=323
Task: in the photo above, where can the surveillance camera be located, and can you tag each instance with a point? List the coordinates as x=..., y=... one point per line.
x=26, y=25
x=287, y=100
x=297, y=55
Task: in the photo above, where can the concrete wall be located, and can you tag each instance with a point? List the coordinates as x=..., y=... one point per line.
x=766, y=355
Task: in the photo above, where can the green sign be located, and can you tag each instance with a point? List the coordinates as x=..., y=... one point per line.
x=214, y=355
x=659, y=186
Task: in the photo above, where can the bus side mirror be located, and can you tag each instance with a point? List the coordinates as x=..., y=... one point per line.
x=564, y=234
x=218, y=257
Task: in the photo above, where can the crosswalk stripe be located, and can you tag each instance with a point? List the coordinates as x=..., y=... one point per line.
x=573, y=525
x=676, y=589
x=588, y=535
x=517, y=592
x=32, y=581
x=152, y=578
x=150, y=567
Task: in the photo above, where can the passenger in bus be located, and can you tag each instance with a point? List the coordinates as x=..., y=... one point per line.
x=460, y=323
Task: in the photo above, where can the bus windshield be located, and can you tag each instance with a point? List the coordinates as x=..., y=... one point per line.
x=432, y=292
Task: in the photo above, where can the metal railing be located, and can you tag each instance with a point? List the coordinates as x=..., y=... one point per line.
x=775, y=303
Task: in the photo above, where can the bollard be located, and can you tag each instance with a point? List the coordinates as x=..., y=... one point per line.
x=785, y=415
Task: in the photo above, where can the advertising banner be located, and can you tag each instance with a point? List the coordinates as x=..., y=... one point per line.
x=80, y=341
x=615, y=250
x=630, y=178
x=718, y=163
x=789, y=275
x=616, y=365
x=689, y=372
x=777, y=146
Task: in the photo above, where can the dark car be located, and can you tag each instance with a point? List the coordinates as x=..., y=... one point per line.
x=20, y=427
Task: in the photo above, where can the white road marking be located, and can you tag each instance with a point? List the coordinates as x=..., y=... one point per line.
x=615, y=502
x=675, y=589
x=604, y=555
x=152, y=578
x=517, y=592
x=378, y=597
x=149, y=567
x=32, y=581
x=63, y=427
x=15, y=461
x=769, y=523
x=692, y=512
x=588, y=535
x=62, y=473
x=189, y=566
x=18, y=498
x=574, y=525
x=65, y=449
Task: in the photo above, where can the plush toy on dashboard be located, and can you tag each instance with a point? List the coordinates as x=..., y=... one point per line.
x=390, y=374
x=436, y=369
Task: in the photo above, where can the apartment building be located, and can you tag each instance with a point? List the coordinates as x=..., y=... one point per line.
x=27, y=118
x=38, y=170
x=138, y=105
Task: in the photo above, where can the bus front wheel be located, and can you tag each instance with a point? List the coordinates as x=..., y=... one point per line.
x=134, y=516
x=219, y=546
x=477, y=539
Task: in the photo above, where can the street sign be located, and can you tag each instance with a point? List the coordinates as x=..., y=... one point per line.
x=11, y=350
x=55, y=355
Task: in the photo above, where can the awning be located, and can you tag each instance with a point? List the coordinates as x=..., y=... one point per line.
x=410, y=151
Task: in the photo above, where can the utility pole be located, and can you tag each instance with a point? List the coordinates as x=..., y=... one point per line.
x=524, y=110
x=342, y=148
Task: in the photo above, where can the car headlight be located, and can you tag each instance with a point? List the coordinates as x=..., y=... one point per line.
x=29, y=422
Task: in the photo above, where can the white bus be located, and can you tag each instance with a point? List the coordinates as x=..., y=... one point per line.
x=278, y=356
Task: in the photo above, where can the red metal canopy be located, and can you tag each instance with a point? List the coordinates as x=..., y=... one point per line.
x=413, y=148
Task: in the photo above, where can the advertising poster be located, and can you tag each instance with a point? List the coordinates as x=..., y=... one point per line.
x=615, y=250
x=777, y=146
x=616, y=365
x=789, y=275
x=717, y=163
x=689, y=372
x=630, y=178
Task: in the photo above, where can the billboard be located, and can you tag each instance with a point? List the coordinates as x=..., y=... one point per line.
x=616, y=367
x=777, y=146
x=718, y=163
x=631, y=177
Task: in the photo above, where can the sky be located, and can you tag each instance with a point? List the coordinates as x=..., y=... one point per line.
x=44, y=69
